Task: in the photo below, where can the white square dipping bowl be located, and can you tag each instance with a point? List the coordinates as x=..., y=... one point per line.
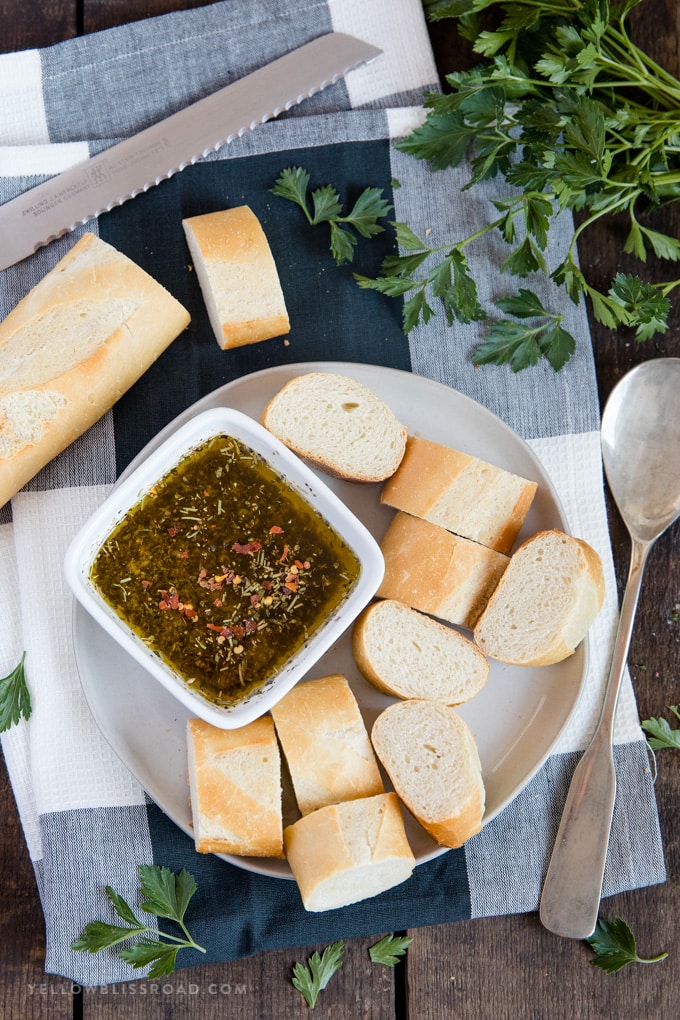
x=126, y=495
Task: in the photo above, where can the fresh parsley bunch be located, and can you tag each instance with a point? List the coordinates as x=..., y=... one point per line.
x=575, y=116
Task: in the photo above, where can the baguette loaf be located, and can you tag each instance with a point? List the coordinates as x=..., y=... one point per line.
x=409, y=655
x=237, y=276
x=348, y=852
x=545, y=602
x=337, y=424
x=466, y=495
x=326, y=744
x=85, y=333
x=235, y=784
x=430, y=755
x=430, y=569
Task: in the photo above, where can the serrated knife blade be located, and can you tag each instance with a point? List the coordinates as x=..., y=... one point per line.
x=131, y=167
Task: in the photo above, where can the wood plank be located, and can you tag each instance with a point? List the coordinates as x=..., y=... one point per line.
x=504, y=968
x=98, y=15
x=24, y=26
x=25, y=990
x=251, y=989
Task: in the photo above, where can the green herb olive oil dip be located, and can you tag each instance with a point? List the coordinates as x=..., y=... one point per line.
x=224, y=570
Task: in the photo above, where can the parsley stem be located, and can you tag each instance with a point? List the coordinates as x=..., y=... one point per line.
x=666, y=288
x=621, y=42
x=481, y=232
x=187, y=942
x=616, y=205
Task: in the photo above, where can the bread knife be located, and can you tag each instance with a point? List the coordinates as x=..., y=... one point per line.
x=130, y=167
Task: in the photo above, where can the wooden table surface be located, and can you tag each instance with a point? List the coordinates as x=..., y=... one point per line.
x=499, y=968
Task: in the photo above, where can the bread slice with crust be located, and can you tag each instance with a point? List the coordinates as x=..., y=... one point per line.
x=430, y=569
x=235, y=786
x=461, y=493
x=338, y=425
x=237, y=275
x=409, y=655
x=431, y=757
x=348, y=852
x=325, y=743
x=545, y=602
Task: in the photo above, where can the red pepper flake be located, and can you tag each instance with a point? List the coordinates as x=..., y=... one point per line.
x=173, y=530
x=248, y=547
x=170, y=600
x=284, y=554
x=184, y=555
x=146, y=584
x=275, y=530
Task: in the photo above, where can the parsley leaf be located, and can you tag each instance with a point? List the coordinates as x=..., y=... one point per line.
x=614, y=946
x=521, y=345
x=15, y=699
x=370, y=206
x=661, y=733
x=312, y=978
x=390, y=949
x=448, y=278
x=642, y=303
x=443, y=140
x=165, y=894
x=292, y=184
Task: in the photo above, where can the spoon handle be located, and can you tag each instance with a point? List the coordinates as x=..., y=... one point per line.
x=573, y=883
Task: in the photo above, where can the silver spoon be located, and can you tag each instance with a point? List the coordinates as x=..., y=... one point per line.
x=641, y=454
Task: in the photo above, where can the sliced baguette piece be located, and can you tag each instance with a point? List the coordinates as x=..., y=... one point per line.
x=71, y=347
x=348, y=852
x=409, y=655
x=337, y=424
x=237, y=276
x=464, y=494
x=430, y=569
x=545, y=602
x=326, y=743
x=431, y=757
x=235, y=786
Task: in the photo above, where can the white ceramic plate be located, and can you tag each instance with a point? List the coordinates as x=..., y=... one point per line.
x=516, y=719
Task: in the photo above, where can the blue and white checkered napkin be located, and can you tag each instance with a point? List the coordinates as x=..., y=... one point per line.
x=86, y=820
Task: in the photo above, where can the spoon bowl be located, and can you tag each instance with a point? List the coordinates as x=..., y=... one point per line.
x=640, y=437
x=641, y=447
